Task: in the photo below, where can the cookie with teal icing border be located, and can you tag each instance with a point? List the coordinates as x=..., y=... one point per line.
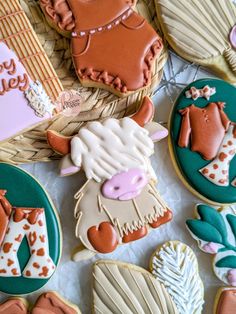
x=188, y=163
x=23, y=190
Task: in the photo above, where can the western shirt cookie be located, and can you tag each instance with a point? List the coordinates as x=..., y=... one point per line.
x=203, y=140
x=30, y=237
x=119, y=201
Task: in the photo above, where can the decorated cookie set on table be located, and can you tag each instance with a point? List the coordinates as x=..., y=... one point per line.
x=119, y=202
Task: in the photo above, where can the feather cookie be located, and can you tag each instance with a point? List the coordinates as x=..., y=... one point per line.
x=202, y=31
x=175, y=265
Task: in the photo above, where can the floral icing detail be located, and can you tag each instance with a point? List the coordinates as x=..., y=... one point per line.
x=215, y=232
x=232, y=37
x=196, y=93
x=39, y=100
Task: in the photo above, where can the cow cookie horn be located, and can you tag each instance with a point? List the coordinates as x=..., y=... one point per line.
x=60, y=143
x=145, y=113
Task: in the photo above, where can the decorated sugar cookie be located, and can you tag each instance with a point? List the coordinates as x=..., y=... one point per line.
x=14, y=306
x=175, y=265
x=203, y=139
x=225, y=302
x=24, y=103
x=105, y=51
x=125, y=288
x=52, y=303
x=47, y=303
x=119, y=201
x=30, y=238
x=215, y=232
x=203, y=32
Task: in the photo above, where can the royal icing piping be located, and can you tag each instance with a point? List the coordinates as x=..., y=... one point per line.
x=215, y=232
x=196, y=93
x=217, y=171
x=39, y=100
x=206, y=126
x=14, y=306
x=175, y=265
x=29, y=222
x=15, y=87
x=232, y=37
x=106, y=148
x=101, y=29
x=126, y=288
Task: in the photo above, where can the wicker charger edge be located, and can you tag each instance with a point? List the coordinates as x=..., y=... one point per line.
x=32, y=146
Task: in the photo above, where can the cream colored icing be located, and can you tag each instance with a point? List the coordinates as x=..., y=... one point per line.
x=175, y=265
x=199, y=29
x=125, y=288
x=126, y=216
x=106, y=148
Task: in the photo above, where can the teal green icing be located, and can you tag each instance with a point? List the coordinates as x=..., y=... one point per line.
x=190, y=162
x=232, y=222
x=213, y=217
x=204, y=231
x=228, y=262
x=24, y=191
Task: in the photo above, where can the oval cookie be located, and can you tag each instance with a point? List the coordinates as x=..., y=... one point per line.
x=30, y=236
x=203, y=139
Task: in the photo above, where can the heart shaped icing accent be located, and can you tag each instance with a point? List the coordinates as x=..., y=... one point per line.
x=103, y=238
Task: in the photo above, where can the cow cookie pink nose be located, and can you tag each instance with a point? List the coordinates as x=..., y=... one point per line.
x=125, y=185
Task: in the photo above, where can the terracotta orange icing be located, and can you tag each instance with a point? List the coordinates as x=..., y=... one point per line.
x=162, y=220
x=13, y=306
x=206, y=127
x=5, y=212
x=135, y=235
x=227, y=302
x=103, y=238
x=145, y=113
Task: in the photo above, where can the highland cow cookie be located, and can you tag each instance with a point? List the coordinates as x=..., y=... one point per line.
x=24, y=103
x=215, y=232
x=203, y=139
x=105, y=49
x=202, y=31
x=30, y=238
x=119, y=201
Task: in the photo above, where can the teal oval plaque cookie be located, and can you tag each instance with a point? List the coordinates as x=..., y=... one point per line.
x=30, y=235
x=203, y=139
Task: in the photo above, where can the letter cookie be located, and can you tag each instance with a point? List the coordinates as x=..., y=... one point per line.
x=175, y=265
x=203, y=140
x=202, y=32
x=105, y=51
x=215, y=232
x=119, y=201
x=225, y=302
x=30, y=244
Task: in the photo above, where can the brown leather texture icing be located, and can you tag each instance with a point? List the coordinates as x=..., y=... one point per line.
x=204, y=128
x=51, y=303
x=227, y=302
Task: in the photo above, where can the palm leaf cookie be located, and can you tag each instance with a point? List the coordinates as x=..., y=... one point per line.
x=202, y=32
x=172, y=286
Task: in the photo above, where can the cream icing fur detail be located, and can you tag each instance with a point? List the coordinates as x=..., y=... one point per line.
x=106, y=148
x=175, y=265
